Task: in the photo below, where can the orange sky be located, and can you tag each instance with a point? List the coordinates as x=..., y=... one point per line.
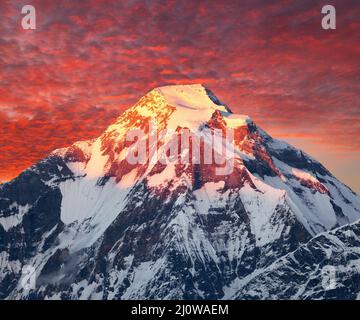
x=89, y=60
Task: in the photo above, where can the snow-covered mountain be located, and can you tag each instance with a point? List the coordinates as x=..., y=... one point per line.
x=93, y=225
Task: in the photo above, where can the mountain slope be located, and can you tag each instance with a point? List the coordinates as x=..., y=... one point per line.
x=327, y=267
x=95, y=225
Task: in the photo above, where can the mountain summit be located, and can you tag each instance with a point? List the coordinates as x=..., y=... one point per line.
x=91, y=224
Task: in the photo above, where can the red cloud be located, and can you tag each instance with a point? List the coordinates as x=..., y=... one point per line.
x=88, y=60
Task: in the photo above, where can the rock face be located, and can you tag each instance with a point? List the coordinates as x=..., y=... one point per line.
x=93, y=225
x=327, y=267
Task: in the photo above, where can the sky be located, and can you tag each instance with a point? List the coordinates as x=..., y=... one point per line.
x=87, y=61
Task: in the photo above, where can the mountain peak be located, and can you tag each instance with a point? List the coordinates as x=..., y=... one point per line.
x=156, y=227
x=170, y=107
x=192, y=97
x=192, y=104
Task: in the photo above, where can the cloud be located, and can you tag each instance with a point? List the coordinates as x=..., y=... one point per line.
x=88, y=60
